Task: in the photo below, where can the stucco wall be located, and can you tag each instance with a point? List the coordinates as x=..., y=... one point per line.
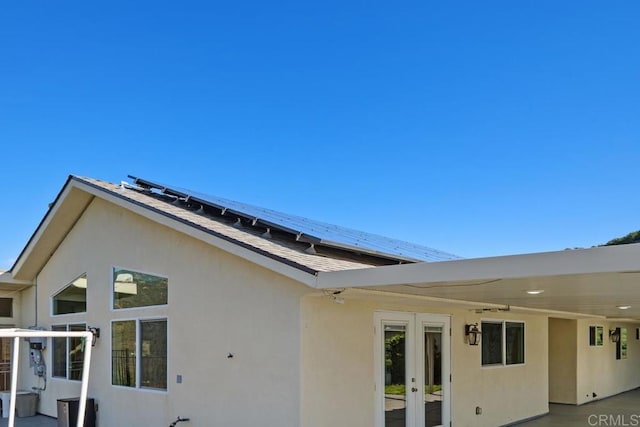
x=338, y=366
x=563, y=369
x=598, y=370
x=218, y=304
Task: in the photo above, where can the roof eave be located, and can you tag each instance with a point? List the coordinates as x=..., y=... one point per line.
x=63, y=213
x=607, y=259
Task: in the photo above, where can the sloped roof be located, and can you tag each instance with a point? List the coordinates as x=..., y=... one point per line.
x=300, y=228
x=289, y=252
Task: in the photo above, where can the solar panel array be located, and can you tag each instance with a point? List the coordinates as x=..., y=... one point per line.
x=306, y=229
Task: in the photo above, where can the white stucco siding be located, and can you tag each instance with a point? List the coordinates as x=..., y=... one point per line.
x=598, y=370
x=218, y=304
x=338, y=366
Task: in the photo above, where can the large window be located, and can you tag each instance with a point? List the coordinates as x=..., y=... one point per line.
x=139, y=353
x=502, y=343
x=68, y=353
x=134, y=289
x=73, y=298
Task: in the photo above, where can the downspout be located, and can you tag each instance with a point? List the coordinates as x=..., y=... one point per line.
x=36, y=300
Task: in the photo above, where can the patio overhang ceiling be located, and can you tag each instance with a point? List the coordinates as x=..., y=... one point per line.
x=593, y=282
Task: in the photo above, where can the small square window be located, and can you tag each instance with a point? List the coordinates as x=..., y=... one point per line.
x=502, y=343
x=6, y=307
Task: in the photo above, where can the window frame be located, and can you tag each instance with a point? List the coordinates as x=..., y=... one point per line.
x=67, y=376
x=138, y=352
x=59, y=291
x=596, y=329
x=503, y=363
x=11, y=310
x=622, y=345
x=112, y=302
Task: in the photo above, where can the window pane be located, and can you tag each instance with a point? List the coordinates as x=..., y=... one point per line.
x=133, y=289
x=153, y=358
x=76, y=353
x=6, y=307
x=123, y=357
x=59, y=353
x=621, y=345
x=73, y=298
x=599, y=335
x=491, y=343
x=515, y=343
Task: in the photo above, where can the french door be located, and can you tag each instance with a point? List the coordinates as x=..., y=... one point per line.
x=412, y=360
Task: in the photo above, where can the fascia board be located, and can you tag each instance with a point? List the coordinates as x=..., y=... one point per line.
x=251, y=256
x=607, y=259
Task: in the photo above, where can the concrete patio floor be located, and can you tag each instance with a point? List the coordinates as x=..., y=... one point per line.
x=620, y=410
x=37, y=421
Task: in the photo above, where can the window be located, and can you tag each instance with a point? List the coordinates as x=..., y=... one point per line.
x=502, y=343
x=73, y=298
x=596, y=335
x=621, y=345
x=133, y=289
x=68, y=353
x=6, y=307
x=146, y=339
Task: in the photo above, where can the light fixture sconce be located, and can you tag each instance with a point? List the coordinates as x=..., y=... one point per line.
x=472, y=333
x=614, y=335
x=96, y=334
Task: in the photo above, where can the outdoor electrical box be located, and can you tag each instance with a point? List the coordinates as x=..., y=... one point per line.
x=37, y=343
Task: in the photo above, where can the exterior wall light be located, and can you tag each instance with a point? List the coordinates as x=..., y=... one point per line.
x=472, y=333
x=614, y=335
x=96, y=334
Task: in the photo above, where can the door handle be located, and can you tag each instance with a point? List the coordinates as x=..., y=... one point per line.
x=413, y=389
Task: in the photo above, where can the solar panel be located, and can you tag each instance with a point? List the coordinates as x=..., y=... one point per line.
x=309, y=230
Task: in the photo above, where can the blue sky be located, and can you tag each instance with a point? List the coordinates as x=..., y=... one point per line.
x=478, y=128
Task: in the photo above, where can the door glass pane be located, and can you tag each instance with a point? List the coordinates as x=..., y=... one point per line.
x=395, y=402
x=433, y=375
